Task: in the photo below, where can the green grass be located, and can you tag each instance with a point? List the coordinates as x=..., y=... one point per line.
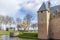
x=5, y=32
x=28, y=35
x=1, y=39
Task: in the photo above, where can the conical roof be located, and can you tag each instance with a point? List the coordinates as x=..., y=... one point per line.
x=43, y=7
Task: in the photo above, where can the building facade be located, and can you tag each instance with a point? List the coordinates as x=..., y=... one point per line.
x=49, y=22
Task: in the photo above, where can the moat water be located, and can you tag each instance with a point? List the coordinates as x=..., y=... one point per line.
x=7, y=37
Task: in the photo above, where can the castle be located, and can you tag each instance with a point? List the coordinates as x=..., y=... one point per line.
x=48, y=22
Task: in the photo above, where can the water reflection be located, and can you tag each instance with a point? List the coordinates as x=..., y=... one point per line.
x=7, y=37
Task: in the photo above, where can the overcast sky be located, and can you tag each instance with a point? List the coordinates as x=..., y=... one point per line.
x=19, y=8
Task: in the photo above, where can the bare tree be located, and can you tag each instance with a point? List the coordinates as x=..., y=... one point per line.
x=34, y=25
x=6, y=20
x=28, y=18
x=18, y=20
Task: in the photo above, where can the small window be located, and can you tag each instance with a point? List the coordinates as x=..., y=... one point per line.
x=41, y=11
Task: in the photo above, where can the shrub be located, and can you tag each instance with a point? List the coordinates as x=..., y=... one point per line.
x=28, y=35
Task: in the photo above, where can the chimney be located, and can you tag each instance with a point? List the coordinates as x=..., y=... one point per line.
x=48, y=5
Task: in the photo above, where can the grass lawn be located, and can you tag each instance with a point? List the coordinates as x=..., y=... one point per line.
x=5, y=32
x=28, y=35
x=1, y=39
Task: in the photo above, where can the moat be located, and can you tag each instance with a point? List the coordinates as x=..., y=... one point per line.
x=7, y=37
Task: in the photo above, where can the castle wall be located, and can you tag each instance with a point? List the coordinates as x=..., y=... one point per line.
x=55, y=27
x=48, y=25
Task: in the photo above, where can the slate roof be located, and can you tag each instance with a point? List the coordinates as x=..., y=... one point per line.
x=52, y=9
x=55, y=8
x=43, y=7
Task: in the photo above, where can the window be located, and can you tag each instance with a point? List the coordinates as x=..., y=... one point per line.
x=41, y=11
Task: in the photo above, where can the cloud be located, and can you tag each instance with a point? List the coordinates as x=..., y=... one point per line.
x=11, y=7
x=8, y=7
x=32, y=5
x=55, y=2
